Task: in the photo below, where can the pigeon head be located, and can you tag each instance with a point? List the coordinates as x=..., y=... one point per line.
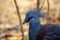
x=32, y=14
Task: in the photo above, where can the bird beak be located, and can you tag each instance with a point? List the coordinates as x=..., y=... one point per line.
x=24, y=22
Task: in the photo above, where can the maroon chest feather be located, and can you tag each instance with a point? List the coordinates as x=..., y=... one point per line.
x=41, y=33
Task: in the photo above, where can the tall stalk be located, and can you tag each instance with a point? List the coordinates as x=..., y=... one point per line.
x=17, y=8
x=48, y=11
x=38, y=4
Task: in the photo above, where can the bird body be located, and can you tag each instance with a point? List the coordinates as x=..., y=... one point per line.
x=38, y=31
x=49, y=32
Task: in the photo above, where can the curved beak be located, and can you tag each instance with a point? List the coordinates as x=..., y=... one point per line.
x=25, y=21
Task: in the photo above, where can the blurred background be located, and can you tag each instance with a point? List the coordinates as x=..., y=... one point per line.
x=9, y=21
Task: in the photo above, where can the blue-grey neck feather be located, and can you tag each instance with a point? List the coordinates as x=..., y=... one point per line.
x=34, y=28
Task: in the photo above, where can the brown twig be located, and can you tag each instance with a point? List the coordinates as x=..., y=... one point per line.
x=17, y=8
x=38, y=3
x=48, y=10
